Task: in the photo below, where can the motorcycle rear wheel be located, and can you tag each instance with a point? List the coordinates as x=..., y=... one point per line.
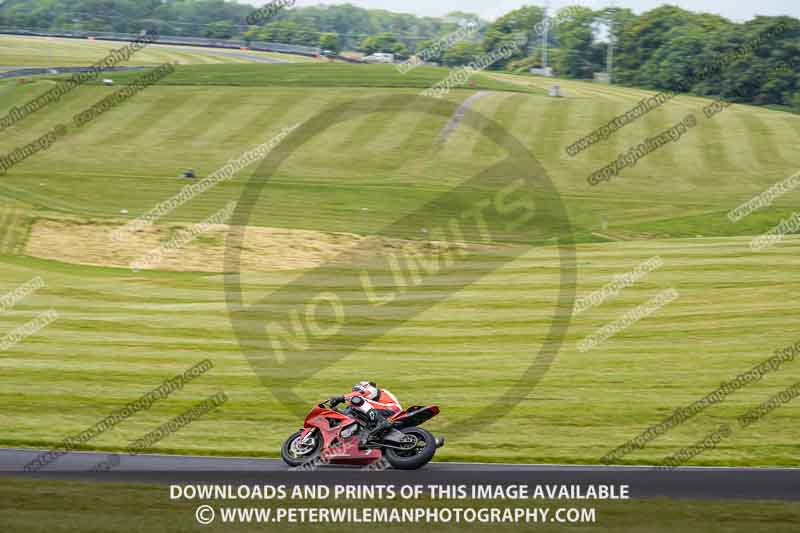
x=418, y=456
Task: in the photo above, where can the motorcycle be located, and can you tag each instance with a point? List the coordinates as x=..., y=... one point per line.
x=333, y=436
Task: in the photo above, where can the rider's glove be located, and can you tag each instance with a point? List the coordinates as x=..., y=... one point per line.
x=336, y=400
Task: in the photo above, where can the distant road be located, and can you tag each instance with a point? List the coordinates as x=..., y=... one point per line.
x=644, y=482
x=15, y=72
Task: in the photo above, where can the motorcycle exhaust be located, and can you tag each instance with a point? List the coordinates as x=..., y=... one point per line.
x=439, y=442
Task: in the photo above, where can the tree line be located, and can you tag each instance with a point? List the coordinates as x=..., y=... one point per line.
x=337, y=27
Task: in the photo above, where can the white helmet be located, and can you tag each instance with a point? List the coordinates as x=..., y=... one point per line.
x=367, y=388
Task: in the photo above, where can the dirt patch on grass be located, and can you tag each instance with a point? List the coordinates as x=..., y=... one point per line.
x=263, y=249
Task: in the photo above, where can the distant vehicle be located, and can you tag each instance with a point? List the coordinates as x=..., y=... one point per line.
x=379, y=57
x=602, y=77
x=546, y=71
x=107, y=81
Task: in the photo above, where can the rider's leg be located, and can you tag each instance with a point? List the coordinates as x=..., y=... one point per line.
x=377, y=422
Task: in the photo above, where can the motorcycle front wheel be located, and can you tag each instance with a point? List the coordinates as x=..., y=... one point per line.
x=295, y=452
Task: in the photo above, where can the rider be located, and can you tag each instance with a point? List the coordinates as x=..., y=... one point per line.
x=376, y=403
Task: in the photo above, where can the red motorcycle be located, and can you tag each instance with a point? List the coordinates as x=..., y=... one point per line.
x=333, y=436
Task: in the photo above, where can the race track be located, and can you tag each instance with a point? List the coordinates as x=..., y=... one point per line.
x=644, y=482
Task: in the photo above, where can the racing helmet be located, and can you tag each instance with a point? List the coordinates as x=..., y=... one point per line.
x=367, y=388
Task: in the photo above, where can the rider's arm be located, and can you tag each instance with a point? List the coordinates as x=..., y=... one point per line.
x=336, y=400
x=389, y=406
x=392, y=405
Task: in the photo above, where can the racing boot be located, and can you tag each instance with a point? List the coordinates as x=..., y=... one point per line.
x=379, y=426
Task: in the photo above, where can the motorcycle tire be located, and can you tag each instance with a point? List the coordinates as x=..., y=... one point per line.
x=293, y=459
x=416, y=458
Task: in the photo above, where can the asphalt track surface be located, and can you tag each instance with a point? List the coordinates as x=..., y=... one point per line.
x=16, y=72
x=643, y=481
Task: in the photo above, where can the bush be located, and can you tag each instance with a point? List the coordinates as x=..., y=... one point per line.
x=525, y=64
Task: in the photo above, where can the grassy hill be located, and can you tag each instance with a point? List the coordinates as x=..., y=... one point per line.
x=324, y=75
x=26, y=51
x=121, y=333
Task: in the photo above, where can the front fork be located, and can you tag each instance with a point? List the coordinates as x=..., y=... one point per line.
x=307, y=434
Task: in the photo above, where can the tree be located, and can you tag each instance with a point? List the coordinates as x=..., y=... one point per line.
x=461, y=54
x=651, y=31
x=432, y=53
x=767, y=73
x=796, y=101
x=386, y=43
x=674, y=66
x=330, y=41
x=518, y=26
x=462, y=18
x=220, y=30
x=574, y=35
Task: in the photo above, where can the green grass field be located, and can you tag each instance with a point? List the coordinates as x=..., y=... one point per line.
x=58, y=52
x=121, y=333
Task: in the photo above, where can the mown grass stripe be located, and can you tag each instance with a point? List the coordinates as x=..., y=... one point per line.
x=141, y=123
x=111, y=129
x=559, y=114
x=6, y=222
x=266, y=113
x=184, y=124
x=490, y=105
x=762, y=141
x=711, y=147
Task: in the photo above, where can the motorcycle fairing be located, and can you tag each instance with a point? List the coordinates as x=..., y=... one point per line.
x=329, y=423
x=414, y=416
